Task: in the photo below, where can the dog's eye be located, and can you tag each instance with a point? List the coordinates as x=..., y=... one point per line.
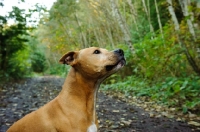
x=97, y=52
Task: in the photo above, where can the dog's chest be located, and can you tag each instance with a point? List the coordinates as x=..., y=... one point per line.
x=92, y=128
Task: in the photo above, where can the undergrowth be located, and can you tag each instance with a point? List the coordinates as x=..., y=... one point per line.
x=183, y=93
x=57, y=69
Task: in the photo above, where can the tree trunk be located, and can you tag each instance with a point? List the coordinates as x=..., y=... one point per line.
x=173, y=15
x=96, y=36
x=159, y=21
x=122, y=24
x=182, y=44
x=3, y=57
x=65, y=30
x=109, y=34
x=3, y=52
x=83, y=38
x=148, y=16
x=184, y=6
x=134, y=14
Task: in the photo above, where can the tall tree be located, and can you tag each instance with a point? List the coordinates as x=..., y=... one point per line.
x=122, y=24
x=159, y=20
x=184, y=6
x=11, y=37
x=134, y=14
x=148, y=15
x=182, y=44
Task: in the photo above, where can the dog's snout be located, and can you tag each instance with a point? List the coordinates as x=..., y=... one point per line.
x=119, y=51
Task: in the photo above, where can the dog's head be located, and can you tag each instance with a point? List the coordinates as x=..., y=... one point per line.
x=95, y=62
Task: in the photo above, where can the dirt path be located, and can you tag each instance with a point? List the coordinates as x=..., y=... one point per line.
x=20, y=98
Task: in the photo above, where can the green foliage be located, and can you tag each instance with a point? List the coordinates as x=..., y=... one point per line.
x=130, y=86
x=15, y=49
x=157, y=57
x=172, y=91
x=58, y=69
x=183, y=92
x=38, y=62
x=13, y=45
x=18, y=66
x=159, y=68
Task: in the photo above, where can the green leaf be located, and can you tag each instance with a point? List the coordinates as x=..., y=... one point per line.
x=185, y=109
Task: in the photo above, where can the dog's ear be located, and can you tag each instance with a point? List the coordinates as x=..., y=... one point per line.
x=69, y=58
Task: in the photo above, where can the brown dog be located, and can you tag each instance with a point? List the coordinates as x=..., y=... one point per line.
x=73, y=110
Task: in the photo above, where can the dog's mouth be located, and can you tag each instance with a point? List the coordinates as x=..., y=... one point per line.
x=118, y=65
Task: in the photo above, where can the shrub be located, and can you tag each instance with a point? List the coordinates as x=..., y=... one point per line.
x=38, y=62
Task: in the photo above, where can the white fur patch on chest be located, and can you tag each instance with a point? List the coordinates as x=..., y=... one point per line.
x=92, y=128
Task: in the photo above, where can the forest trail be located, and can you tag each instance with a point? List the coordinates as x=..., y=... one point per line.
x=18, y=99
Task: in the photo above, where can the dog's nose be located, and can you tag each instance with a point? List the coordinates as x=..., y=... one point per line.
x=119, y=51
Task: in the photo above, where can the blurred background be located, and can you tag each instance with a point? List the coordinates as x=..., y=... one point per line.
x=161, y=40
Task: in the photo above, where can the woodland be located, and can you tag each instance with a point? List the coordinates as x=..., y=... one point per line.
x=161, y=40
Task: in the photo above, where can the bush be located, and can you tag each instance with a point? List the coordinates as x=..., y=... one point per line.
x=182, y=92
x=18, y=66
x=58, y=69
x=38, y=62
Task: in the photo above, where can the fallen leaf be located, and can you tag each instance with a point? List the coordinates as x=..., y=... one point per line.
x=127, y=123
x=178, y=119
x=116, y=111
x=172, y=109
x=194, y=123
x=192, y=115
x=151, y=115
x=115, y=126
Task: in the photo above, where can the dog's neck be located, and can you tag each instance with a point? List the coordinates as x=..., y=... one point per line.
x=85, y=93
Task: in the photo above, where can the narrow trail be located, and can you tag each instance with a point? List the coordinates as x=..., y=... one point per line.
x=18, y=99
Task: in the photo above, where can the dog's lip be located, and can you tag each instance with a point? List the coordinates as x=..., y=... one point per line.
x=120, y=63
